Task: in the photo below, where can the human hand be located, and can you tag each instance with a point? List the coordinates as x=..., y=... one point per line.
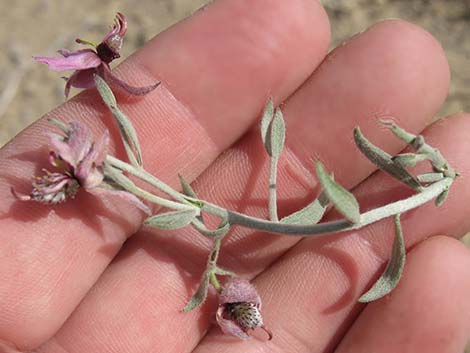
x=69, y=284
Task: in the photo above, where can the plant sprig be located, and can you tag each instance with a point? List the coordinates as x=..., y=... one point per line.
x=188, y=209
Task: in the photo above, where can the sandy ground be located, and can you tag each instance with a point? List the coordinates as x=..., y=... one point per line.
x=39, y=27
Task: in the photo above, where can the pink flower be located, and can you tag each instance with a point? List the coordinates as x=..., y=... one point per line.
x=80, y=164
x=239, y=309
x=87, y=62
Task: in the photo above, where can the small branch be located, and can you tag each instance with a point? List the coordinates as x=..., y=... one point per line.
x=147, y=177
x=402, y=206
x=273, y=189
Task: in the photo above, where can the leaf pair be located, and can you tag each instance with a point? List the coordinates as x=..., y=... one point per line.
x=273, y=129
x=385, y=161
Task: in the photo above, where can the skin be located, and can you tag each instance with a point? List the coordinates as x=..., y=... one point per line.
x=82, y=276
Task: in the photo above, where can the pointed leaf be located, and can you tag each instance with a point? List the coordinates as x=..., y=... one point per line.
x=268, y=115
x=342, y=199
x=187, y=189
x=276, y=135
x=222, y=229
x=310, y=214
x=442, y=197
x=105, y=92
x=392, y=274
x=430, y=177
x=60, y=125
x=201, y=294
x=172, y=220
x=384, y=161
x=126, y=129
x=223, y=272
x=408, y=159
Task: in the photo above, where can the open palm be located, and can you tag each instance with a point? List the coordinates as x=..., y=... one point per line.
x=81, y=277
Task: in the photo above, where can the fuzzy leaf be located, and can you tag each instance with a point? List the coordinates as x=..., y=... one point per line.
x=408, y=159
x=310, y=214
x=60, y=125
x=172, y=220
x=276, y=135
x=126, y=129
x=342, y=199
x=392, y=274
x=223, y=272
x=105, y=92
x=187, y=189
x=201, y=294
x=442, y=197
x=430, y=177
x=384, y=161
x=222, y=229
x=268, y=115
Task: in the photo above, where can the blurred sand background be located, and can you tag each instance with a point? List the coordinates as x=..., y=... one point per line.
x=39, y=27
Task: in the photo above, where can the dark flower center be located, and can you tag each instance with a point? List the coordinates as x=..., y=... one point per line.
x=106, y=53
x=247, y=315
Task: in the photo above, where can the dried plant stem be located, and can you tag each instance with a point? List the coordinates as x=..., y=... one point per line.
x=273, y=189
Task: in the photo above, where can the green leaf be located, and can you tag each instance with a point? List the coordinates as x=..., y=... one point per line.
x=187, y=189
x=392, y=274
x=268, y=115
x=105, y=92
x=126, y=129
x=384, y=161
x=59, y=124
x=440, y=199
x=172, y=220
x=201, y=294
x=276, y=135
x=430, y=177
x=223, y=272
x=222, y=229
x=310, y=214
x=342, y=199
x=408, y=159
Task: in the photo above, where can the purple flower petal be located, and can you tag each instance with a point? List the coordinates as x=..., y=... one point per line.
x=80, y=79
x=90, y=172
x=109, y=77
x=75, y=146
x=230, y=327
x=239, y=290
x=78, y=60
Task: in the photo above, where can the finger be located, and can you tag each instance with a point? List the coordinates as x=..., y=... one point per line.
x=50, y=257
x=426, y=311
x=234, y=181
x=310, y=294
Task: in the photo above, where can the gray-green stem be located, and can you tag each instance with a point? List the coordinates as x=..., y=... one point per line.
x=427, y=194
x=402, y=206
x=147, y=177
x=273, y=189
